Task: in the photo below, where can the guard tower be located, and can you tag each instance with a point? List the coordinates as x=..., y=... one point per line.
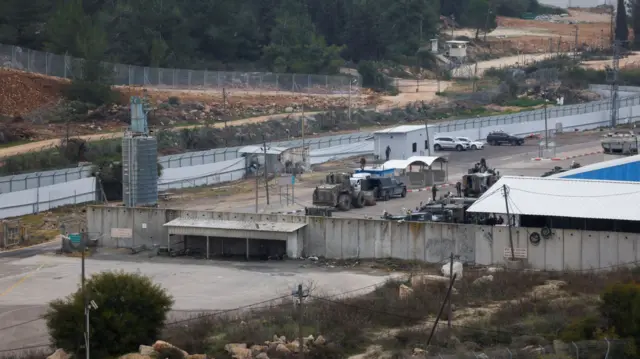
x=457, y=49
x=139, y=159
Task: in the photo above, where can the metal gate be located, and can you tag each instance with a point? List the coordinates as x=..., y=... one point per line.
x=10, y=235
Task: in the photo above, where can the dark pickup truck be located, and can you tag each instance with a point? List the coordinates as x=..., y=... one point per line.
x=385, y=187
x=498, y=138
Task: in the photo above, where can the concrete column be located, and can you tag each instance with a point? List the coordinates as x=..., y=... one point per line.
x=247, y=254
x=207, y=247
x=169, y=242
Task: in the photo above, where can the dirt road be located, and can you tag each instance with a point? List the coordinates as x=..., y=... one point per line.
x=41, y=145
x=407, y=95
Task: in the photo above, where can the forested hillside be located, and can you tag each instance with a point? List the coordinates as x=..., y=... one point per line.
x=312, y=36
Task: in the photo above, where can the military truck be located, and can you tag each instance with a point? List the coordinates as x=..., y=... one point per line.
x=339, y=192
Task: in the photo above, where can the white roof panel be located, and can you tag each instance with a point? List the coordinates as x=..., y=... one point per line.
x=235, y=225
x=402, y=164
x=402, y=129
x=561, y=197
x=596, y=166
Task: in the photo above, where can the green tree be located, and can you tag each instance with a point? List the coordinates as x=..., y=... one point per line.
x=622, y=29
x=480, y=16
x=295, y=46
x=131, y=310
x=634, y=8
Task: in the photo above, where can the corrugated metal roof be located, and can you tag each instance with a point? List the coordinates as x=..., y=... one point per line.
x=561, y=197
x=616, y=172
x=260, y=150
x=402, y=164
x=402, y=129
x=235, y=225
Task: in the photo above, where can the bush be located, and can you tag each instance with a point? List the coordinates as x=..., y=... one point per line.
x=131, y=311
x=621, y=308
x=373, y=78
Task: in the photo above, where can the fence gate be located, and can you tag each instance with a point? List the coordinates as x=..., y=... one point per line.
x=10, y=235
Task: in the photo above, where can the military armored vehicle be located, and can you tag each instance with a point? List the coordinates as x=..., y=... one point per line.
x=340, y=193
x=620, y=142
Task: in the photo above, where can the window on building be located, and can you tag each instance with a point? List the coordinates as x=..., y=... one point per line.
x=414, y=147
x=426, y=144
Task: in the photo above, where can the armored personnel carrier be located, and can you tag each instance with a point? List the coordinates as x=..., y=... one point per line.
x=620, y=142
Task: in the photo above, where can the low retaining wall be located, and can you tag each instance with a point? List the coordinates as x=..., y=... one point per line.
x=342, y=238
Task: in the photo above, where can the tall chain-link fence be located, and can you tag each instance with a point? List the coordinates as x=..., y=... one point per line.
x=180, y=79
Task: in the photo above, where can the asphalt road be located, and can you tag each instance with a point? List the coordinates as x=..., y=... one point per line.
x=30, y=251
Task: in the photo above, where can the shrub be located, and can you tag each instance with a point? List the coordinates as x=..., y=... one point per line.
x=131, y=311
x=621, y=308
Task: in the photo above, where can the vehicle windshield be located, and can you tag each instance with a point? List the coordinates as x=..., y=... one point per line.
x=463, y=139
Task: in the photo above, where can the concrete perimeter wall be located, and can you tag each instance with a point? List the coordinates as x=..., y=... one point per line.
x=342, y=238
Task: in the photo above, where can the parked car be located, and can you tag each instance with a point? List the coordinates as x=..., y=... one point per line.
x=474, y=145
x=449, y=143
x=384, y=187
x=498, y=138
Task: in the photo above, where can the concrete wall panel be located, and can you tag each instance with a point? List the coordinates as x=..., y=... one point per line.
x=590, y=250
x=386, y=227
x=417, y=239
x=367, y=235
x=572, y=240
x=398, y=240
x=315, y=241
x=554, y=251
x=351, y=238
x=333, y=227
x=483, y=244
x=440, y=244
x=465, y=241
x=608, y=243
x=535, y=253
x=627, y=248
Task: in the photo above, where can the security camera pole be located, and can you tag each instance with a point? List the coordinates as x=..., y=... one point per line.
x=87, y=310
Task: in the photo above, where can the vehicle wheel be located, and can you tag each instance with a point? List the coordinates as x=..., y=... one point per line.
x=493, y=143
x=520, y=143
x=437, y=147
x=358, y=200
x=370, y=202
x=404, y=193
x=459, y=148
x=344, y=202
x=474, y=147
x=386, y=196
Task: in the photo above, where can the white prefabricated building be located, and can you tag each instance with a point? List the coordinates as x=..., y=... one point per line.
x=405, y=141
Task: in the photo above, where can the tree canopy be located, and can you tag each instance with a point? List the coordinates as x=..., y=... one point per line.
x=284, y=35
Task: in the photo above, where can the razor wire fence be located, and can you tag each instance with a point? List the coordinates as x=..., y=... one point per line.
x=49, y=64
x=229, y=153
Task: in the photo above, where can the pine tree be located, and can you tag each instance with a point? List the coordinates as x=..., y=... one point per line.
x=635, y=18
x=622, y=29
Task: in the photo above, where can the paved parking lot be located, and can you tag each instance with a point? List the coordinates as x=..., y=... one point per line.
x=28, y=284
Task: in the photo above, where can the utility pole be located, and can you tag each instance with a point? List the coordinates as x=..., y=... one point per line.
x=300, y=295
x=266, y=172
x=505, y=192
x=426, y=129
x=302, y=129
x=450, y=283
x=85, y=299
x=257, y=178
x=224, y=106
x=546, y=124
x=612, y=77
x=575, y=48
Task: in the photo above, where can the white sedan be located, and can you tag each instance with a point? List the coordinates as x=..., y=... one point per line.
x=474, y=145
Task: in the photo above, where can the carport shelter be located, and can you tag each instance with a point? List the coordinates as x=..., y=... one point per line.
x=420, y=171
x=220, y=237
